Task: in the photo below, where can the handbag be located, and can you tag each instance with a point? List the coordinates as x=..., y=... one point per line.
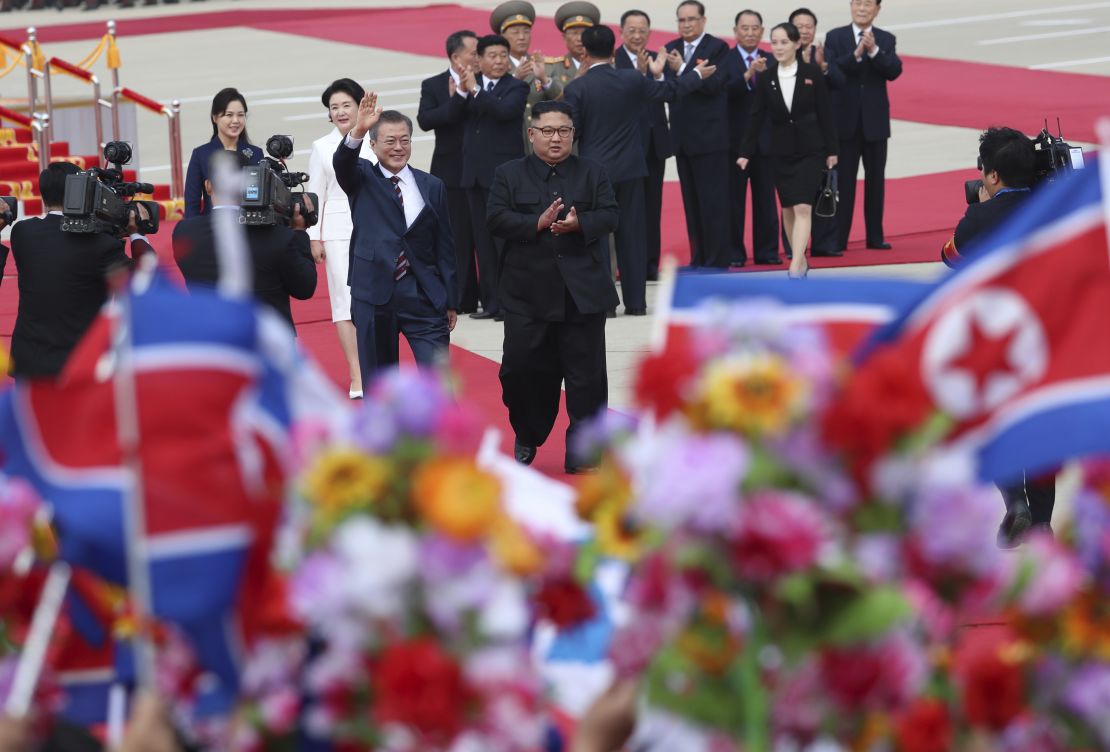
x=828, y=196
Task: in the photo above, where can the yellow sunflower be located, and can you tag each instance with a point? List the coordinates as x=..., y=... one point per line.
x=617, y=535
x=753, y=395
x=456, y=497
x=344, y=480
x=608, y=487
x=514, y=549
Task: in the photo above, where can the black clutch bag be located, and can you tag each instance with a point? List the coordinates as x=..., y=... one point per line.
x=828, y=197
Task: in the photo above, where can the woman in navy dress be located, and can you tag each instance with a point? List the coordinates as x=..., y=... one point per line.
x=229, y=131
x=792, y=93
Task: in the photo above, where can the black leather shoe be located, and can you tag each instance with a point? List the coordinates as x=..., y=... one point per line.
x=573, y=469
x=769, y=262
x=839, y=252
x=483, y=315
x=884, y=246
x=739, y=264
x=523, y=454
x=635, y=312
x=498, y=316
x=653, y=275
x=1014, y=526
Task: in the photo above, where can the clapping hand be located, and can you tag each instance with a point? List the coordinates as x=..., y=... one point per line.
x=674, y=59
x=705, y=69
x=644, y=61
x=819, y=55
x=868, y=41
x=525, y=69
x=655, y=66
x=549, y=215
x=742, y=163
x=570, y=224
x=451, y=87
x=368, y=113
x=469, y=81
x=539, y=68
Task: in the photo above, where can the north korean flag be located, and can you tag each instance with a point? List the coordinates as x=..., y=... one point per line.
x=1011, y=347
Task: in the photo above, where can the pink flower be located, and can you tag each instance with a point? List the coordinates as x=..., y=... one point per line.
x=778, y=534
x=18, y=505
x=1055, y=575
x=635, y=645
x=883, y=677
x=279, y=709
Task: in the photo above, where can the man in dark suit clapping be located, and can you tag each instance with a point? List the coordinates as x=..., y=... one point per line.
x=607, y=106
x=699, y=136
x=402, y=271
x=634, y=55
x=443, y=112
x=866, y=60
x=495, y=102
x=555, y=212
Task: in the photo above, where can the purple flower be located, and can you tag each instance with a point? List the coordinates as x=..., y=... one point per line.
x=600, y=432
x=968, y=545
x=316, y=590
x=373, y=428
x=442, y=557
x=1087, y=695
x=689, y=479
x=1092, y=531
x=414, y=397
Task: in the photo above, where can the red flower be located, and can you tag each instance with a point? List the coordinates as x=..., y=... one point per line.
x=564, y=602
x=924, y=727
x=778, y=534
x=418, y=685
x=876, y=677
x=664, y=376
x=992, y=681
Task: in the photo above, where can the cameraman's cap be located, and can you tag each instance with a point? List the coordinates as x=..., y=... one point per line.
x=512, y=13
x=577, y=14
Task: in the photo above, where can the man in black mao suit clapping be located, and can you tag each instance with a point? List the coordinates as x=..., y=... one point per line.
x=699, y=135
x=555, y=212
x=866, y=60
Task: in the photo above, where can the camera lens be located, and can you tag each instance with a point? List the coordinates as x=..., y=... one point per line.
x=117, y=152
x=280, y=147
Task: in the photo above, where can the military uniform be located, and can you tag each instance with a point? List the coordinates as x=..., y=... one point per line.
x=521, y=12
x=562, y=69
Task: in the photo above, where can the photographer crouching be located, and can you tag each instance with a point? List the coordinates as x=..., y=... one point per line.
x=1008, y=167
x=275, y=221
x=62, y=276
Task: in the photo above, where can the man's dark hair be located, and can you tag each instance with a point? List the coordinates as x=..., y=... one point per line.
x=492, y=40
x=347, y=86
x=52, y=182
x=748, y=12
x=695, y=3
x=389, y=116
x=803, y=12
x=559, y=106
x=791, y=30
x=1010, y=153
x=455, y=41
x=599, y=42
x=629, y=13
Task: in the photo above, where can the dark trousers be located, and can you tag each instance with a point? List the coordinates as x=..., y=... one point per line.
x=704, y=182
x=832, y=234
x=1039, y=493
x=629, y=239
x=408, y=312
x=539, y=356
x=487, y=248
x=653, y=210
x=462, y=231
x=765, y=215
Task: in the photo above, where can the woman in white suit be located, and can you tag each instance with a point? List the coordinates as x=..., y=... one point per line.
x=331, y=236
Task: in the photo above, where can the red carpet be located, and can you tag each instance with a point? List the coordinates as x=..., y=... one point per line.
x=941, y=91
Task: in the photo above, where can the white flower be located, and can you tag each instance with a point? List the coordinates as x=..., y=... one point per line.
x=379, y=562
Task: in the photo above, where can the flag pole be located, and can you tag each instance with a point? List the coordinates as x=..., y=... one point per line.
x=1102, y=129
x=127, y=428
x=33, y=655
x=662, y=319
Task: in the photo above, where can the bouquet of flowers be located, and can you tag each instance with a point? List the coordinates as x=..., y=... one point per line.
x=409, y=575
x=781, y=595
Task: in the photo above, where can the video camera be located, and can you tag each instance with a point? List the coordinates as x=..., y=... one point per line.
x=9, y=210
x=97, y=200
x=267, y=195
x=1054, y=157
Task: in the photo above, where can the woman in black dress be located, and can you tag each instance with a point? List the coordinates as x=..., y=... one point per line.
x=803, y=136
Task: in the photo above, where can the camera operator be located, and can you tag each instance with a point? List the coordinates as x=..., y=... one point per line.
x=1007, y=161
x=281, y=257
x=61, y=278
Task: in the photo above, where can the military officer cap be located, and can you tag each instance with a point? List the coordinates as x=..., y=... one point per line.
x=577, y=14
x=510, y=14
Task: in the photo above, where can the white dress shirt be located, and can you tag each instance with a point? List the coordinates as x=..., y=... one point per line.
x=788, y=79
x=410, y=194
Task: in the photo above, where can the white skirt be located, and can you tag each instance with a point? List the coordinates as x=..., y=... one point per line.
x=337, y=254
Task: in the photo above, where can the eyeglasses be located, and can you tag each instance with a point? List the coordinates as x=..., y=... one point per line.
x=547, y=132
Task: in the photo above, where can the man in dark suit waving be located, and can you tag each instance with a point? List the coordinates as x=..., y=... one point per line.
x=495, y=102
x=866, y=60
x=607, y=104
x=402, y=272
x=699, y=135
x=555, y=212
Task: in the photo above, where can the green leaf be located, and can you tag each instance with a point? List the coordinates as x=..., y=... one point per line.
x=868, y=616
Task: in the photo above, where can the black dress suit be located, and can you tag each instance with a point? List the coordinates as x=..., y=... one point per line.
x=555, y=291
x=699, y=137
x=494, y=120
x=281, y=260
x=446, y=116
x=765, y=215
x=806, y=128
x=61, y=289
x=862, y=107
x=608, y=104
x=657, y=147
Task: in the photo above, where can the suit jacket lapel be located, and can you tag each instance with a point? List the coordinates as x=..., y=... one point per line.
x=387, y=186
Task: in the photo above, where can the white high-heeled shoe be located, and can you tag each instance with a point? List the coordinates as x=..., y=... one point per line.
x=355, y=395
